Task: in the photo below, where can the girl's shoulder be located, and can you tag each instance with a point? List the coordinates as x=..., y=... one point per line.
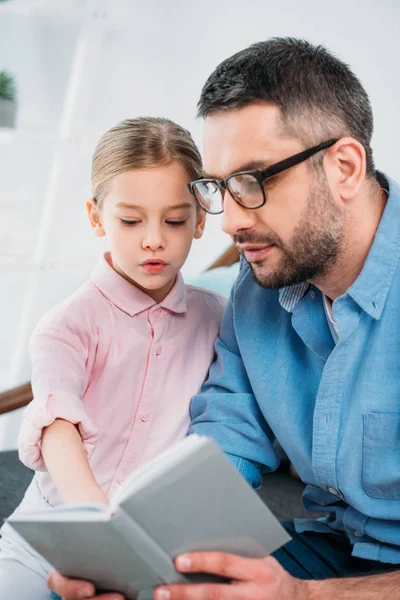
x=83, y=309
x=204, y=297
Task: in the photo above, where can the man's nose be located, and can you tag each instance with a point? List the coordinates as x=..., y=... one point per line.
x=235, y=216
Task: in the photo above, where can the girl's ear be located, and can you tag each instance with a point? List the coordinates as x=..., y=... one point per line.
x=200, y=224
x=95, y=217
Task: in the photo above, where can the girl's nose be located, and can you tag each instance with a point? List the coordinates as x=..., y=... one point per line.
x=153, y=239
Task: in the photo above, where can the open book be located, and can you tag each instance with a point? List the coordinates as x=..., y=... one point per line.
x=189, y=498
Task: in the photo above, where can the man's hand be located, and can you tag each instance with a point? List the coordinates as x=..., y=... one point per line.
x=73, y=589
x=252, y=579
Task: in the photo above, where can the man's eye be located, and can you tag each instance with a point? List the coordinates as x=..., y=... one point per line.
x=175, y=223
x=270, y=181
x=125, y=222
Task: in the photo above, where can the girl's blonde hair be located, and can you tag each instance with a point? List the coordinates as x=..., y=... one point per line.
x=142, y=143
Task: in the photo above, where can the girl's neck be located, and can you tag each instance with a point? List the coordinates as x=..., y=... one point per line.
x=158, y=294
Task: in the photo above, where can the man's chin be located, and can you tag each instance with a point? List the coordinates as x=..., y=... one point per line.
x=262, y=278
x=271, y=280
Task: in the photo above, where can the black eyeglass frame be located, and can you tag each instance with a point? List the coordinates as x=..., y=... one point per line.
x=260, y=176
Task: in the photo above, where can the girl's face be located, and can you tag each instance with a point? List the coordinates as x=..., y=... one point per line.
x=150, y=219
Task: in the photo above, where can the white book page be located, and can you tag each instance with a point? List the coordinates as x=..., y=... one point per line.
x=71, y=512
x=161, y=463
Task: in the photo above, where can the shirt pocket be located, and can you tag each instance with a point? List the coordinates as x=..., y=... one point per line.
x=381, y=455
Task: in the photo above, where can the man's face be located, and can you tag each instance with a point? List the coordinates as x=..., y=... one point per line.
x=297, y=235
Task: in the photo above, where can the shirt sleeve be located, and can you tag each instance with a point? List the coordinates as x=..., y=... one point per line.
x=59, y=375
x=227, y=411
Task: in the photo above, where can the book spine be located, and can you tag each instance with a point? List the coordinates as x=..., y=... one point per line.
x=141, y=543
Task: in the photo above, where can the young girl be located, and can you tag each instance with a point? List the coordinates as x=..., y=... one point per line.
x=116, y=364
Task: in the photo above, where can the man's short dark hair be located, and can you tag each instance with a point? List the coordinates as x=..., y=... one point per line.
x=318, y=95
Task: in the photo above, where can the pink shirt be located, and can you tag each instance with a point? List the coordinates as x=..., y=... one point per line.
x=121, y=367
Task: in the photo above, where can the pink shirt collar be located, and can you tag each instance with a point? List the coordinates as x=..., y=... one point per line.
x=131, y=299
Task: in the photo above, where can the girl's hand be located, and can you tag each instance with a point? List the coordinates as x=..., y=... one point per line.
x=91, y=493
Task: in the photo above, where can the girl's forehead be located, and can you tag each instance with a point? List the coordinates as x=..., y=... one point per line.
x=170, y=176
x=154, y=204
x=159, y=188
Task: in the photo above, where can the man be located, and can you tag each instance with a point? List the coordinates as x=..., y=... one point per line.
x=308, y=349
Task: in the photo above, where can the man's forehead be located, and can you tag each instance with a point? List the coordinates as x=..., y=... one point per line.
x=243, y=138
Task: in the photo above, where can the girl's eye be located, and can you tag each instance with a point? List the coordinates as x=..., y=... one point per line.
x=125, y=222
x=176, y=223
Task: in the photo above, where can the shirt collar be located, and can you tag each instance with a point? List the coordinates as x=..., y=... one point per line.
x=128, y=297
x=289, y=296
x=371, y=287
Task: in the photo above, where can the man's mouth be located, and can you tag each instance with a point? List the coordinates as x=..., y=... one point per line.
x=255, y=252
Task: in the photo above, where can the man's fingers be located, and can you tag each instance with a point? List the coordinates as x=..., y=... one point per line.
x=69, y=589
x=74, y=589
x=219, y=563
x=208, y=591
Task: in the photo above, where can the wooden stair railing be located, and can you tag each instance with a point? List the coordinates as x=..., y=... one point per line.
x=228, y=258
x=15, y=398
x=21, y=396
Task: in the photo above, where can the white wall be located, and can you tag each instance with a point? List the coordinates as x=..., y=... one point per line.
x=83, y=65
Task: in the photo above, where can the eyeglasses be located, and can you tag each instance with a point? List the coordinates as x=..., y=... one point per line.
x=246, y=187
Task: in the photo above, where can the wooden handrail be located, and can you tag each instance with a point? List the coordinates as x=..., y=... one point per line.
x=228, y=258
x=15, y=398
x=21, y=396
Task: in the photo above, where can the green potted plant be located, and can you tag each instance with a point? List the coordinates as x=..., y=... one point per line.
x=8, y=103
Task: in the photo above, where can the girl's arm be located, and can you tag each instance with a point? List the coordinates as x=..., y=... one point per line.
x=66, y=461
x=57, y=434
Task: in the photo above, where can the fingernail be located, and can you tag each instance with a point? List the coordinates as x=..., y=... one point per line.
x=85, y=593
x=163, y=594
x=184, y=562
x=56, y=577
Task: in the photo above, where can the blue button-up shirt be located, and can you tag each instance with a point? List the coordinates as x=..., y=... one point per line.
x=335, y=408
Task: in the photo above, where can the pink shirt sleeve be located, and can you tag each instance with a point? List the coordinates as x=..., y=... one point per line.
x=59, y=357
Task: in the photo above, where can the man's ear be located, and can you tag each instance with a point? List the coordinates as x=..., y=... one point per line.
x=348, y=156
x=95, y=217
x=200, y=224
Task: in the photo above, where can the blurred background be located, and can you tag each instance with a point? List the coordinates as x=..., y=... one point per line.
x=70, y=69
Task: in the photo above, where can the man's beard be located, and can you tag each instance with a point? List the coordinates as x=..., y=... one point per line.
x=315, y=245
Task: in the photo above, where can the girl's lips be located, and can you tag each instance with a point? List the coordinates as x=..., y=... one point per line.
x=256, y=254
x=154, y=266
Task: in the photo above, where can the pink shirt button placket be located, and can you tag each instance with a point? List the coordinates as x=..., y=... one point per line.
x=110, y=317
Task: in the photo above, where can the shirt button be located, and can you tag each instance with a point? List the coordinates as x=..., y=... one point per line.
x=358, y=533
x=312, y=294
x=158, y=313
x=158, y=350
x=333, y=491
x=145, y=417
x=122, y=479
